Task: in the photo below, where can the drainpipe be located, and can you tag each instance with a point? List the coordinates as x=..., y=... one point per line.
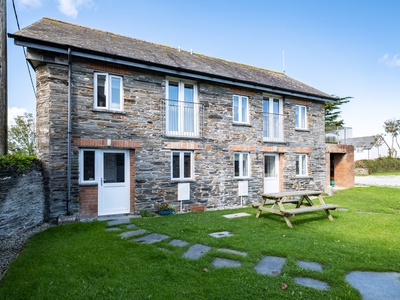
x=69, y=208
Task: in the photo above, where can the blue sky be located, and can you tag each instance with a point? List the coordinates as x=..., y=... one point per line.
x=344, y=48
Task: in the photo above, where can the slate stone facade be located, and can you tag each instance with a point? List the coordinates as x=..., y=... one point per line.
x=142, y=120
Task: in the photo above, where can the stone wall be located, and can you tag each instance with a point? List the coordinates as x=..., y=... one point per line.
x=143, y=119
x=21, y=201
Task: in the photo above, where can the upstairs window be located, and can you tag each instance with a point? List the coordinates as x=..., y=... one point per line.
x=301, y=117
x=301, y=164
x=240, y=109
x=181, y=165
x=272, y=119
x=108, y=92
x=241, y=165
x=182, y=109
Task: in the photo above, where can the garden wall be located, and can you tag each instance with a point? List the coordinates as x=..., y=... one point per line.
x=22, y=200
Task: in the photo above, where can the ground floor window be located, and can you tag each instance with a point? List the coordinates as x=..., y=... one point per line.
x=181, y=165
x=301, y=164
x=241, y=164
x=87, y=166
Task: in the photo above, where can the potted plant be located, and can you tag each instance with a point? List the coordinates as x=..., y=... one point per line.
x=165, y=208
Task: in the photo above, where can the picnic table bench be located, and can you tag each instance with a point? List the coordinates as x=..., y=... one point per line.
x=277, y=200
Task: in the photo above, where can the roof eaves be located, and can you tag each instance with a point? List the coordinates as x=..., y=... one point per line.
x=92, y=54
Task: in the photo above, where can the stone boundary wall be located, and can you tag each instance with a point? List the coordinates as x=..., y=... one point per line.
x=22, y=201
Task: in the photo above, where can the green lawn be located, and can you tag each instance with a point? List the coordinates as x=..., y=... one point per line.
x=83, y=261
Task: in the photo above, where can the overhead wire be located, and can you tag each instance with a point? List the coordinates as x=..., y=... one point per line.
x=27, y=64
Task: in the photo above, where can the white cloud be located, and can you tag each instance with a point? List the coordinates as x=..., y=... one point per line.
x=30, y=3
x=14, y=112
x=71, y=7
x=390, y=60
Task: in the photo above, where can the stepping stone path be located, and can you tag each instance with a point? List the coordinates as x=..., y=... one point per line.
x=372, y=285
x=270, y=265
x=196, y=251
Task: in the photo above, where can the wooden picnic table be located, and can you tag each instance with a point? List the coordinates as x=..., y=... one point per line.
x=277, y=200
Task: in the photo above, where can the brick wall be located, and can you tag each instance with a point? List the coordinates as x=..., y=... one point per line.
x=340, y=165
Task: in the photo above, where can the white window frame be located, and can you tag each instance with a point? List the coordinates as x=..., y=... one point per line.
x=108, y=91
x=241, y=155
x=240, y=110
x=274, y=134
x=301, y=121
x=301, y=164
x=180, y=108
x=82, y=167
x=182, y=165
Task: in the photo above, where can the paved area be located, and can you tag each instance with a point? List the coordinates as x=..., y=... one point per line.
x=370, y=180
x=372, y=285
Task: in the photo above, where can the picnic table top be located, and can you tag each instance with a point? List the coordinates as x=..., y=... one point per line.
x=291, y=194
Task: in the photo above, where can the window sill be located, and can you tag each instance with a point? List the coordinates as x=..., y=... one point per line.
x=182, y=180
x=180, y=137
x=241, y=178
x=303, y=177
x=242, y=124
x=273, y=141
x=99, y=110
x=88, y=184
x=302, y=129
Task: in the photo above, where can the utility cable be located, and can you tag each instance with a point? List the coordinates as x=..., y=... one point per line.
x=27, y=64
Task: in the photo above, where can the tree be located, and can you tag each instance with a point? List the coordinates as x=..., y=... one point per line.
x=332, y=114
x=21, y=136
x=392, y=128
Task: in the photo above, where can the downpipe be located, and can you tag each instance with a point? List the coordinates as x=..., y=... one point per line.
x=69, y=206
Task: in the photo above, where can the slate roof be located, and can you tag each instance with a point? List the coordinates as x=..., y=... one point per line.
x=64, y=35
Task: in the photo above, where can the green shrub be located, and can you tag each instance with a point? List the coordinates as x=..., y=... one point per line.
x=18, y=162
x=380, y=165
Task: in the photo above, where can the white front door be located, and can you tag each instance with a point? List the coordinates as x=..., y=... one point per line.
x=113, y=168
x=271, y=173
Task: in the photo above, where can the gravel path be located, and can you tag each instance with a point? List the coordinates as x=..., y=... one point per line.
x=390, y=181
x=10, y=247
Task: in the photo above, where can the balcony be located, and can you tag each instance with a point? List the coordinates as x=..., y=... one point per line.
x=273, y=127
x=182, y=118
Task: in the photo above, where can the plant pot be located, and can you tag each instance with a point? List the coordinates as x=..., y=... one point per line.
x=165, y=212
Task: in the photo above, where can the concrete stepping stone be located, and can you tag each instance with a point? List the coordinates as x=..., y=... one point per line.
x=237, y=215
x=132, y=233
x=309, y=265
x=152, y=238
x=375, y=285
x=113, y=229
x=221, y=234
x=313, y=283
x=270, y=265
x=232, y=251
x=225, y=263
x=119, y=221
x=178, y=243
x=130, y=226
x=196, y=251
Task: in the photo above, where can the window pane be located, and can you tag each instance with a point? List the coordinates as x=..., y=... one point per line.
x=173, y=94
x=245, y=164
x=303, y=165
x=276, y=106
x=244, y=109
x=303, y=116
x=101, y=92
x=236, y=164
x=114, y=167
x=297, y=116
x=88, y=165
x=189, y=108
x=115, y=93
x=235, y=108
x=175, y=164
x=187, y=165
x=269, y=166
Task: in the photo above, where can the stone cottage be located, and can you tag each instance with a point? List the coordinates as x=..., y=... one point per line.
x=123, y=124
